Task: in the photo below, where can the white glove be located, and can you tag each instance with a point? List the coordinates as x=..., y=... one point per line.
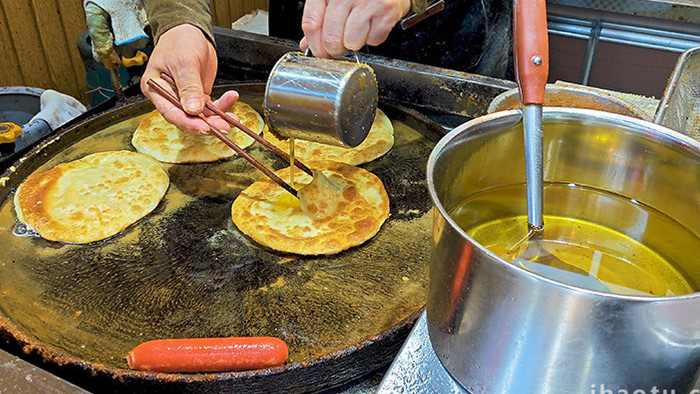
x=58, y=108
x=113, y=23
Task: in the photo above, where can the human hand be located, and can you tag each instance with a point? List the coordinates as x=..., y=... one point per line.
x=185, y=54
x=333, y=27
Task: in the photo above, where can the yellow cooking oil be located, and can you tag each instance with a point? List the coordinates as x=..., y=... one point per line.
x=291, y=162
x=286, y=200
x=630, y=247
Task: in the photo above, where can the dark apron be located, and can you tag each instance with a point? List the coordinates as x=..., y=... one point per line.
x=469, y=35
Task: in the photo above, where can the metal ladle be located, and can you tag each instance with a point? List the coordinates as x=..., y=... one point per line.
x=531, y=49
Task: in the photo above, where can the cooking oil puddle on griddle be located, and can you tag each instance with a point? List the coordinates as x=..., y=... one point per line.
x=632, y=248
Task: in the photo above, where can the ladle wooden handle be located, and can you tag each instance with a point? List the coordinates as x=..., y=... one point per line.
x=531, y=49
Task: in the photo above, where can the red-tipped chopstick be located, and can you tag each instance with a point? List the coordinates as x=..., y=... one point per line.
x=220, y=135
x=231, y=120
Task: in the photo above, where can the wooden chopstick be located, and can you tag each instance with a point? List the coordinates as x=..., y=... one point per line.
x=220, y=135
x=231, y=120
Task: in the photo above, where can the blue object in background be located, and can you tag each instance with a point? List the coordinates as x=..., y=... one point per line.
x=97, y=76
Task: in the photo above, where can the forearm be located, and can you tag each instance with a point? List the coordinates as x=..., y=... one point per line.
x=166, y=14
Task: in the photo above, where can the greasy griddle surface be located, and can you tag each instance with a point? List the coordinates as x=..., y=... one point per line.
x=186, y=271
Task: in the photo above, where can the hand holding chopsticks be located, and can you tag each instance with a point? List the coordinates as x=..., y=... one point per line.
x=220, y=135
x=232, y=121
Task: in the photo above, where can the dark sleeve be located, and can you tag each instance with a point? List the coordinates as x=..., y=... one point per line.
x=163, y=15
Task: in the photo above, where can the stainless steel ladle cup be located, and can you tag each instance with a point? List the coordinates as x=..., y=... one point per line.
x=331, y=101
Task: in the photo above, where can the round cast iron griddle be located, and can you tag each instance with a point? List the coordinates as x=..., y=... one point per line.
x=186, y=271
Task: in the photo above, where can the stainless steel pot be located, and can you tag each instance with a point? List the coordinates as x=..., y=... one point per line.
x=330, y=101
x=498, y=328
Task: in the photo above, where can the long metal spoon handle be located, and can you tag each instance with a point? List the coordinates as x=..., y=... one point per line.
x=532, y=124
x=531, y=50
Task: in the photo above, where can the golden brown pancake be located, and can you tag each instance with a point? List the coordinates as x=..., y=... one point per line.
x=162, y=140
x=378, y=142
x=274, y=218
x=92, y=198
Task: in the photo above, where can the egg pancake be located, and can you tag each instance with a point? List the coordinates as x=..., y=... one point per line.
x=91, y=198
x=379, y=141
x=164, y=141
x=320, y=198
x=272, y=217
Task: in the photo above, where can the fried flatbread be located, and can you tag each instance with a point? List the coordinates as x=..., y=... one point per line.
x=92, y=198
x=274, y=218
x=162, y=140
x=378, y=142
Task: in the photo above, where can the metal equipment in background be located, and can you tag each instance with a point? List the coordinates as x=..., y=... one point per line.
x=561, y=94
x=596, y=39
x=599, y=30
x=18, y=104
x=679, y=108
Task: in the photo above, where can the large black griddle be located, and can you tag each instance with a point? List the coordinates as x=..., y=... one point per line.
x=186, y=271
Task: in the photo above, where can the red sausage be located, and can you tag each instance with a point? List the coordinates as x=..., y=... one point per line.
x=208, y=354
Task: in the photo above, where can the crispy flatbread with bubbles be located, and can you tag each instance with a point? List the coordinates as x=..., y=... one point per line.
x=92, y=198
x=379, y=141
x=272, y=217
x=162, y=140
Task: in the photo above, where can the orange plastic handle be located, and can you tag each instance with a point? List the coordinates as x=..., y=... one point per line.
x=531, y=49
